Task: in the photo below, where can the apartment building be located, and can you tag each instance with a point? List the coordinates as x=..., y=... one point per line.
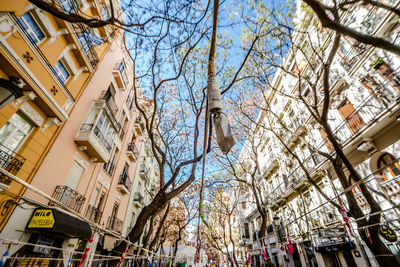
x=72, y=132
x=51, y=84
x=365, y=115
x=146, y=183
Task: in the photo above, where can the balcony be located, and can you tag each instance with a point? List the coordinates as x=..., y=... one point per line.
x=120, y=76
x=255, y=235
x=392, y=187
x=132, y=152
x=143, y=172
x=112, y=106
x=114, y=224
x=139, y=126
x=92, y=140
x=367, y=112
x=11, y=162
x=69, y=197
x=93, y=214
x=122, y=134
x=361, y=201
x=124, y=183
x=138, y=199
x=81, y=33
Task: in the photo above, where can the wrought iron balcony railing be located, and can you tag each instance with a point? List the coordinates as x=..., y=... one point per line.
x=112, y=106
x=125, y=181
x=114, y=224
x=132, y=148
x=11, y=162
x=69, y=197
x=138, y=197
x=93, y=214
x=102, y=138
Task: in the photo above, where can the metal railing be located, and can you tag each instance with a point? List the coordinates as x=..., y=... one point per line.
x=86, y=44
x=93, y=214
x=112, y=106
x=139, y=121
x=69, y=197
x=366, y=112
x=125, y=181
x=138, y=197
x=86, y=126
x=11, y=162
x=132, y=148
x=114, y=224
x=102, y=139
x=392, y=185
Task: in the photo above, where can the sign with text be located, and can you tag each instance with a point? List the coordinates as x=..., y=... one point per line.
x=42, y=218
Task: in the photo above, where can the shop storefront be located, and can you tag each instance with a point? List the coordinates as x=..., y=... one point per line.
x=53, y=235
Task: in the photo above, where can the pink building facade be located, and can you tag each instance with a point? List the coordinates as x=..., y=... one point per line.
x=91, y=165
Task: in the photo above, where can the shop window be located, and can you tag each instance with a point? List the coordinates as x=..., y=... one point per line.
x=61, y=71
x=388, y=166
x=31, y=27
x=14, y=133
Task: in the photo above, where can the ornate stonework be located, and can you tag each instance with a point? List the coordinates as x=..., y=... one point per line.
x=81, y=160
x=29, y=111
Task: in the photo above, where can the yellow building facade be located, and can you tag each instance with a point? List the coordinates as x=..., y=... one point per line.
x=53, y=60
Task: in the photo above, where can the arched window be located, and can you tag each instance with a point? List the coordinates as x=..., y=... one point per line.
x=388, y=166
x=356, y=189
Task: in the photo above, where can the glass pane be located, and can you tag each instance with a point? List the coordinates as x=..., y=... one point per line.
x=21, y=123
x=32, y=24
x=13, y=141
x=6, y=131
x=101, y=120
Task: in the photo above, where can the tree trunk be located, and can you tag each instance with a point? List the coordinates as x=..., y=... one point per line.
x=382, y=254
x=158, y=232
x=380, y=251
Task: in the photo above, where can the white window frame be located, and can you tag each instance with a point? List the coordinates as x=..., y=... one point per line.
x=29, y=29
x=59, y=73
x=17, y=128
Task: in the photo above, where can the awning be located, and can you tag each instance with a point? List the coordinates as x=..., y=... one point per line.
x=56, y=221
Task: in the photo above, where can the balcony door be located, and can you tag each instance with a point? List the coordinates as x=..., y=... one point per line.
x=351, y=116
x=74, y=175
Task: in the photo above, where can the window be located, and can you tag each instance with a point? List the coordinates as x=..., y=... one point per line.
x=31, y=27
x=66, y=5
x=351, y=116
x=61, y=72
x=246, y=230
x=243, y=205
x=388, y=166
x=104, y=131
x=74, y=175
x=15, y=131
x=109, y=167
